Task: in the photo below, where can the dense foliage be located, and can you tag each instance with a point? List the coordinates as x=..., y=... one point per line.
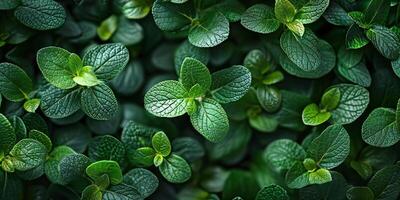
x=199, y=99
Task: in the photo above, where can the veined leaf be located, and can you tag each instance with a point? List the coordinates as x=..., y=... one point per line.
x=260, y=18
x=15, y=85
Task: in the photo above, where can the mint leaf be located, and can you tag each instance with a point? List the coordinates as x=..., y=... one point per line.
x=211, y=29
x=107, y=147
x=297, y=176
x=186, y=49
x=31, y=105
x=264, y=123
x=355, y=37
x=283, y=154
x=296, y=27
x=230, y=84
x=311, y=11
x=143, y=180
x=40, y=14
x=161, y=143
x=319, y=176
x=175, y=169
x=380, y=128
x=330, y=99
x=92, y=192
x=357, y=74
x=194, y=72
x=302, y=51
x=330, y=148
x=15, y=85
x=385, y=41
x=210, y=120
x=108, y=167
x=260, y=18
x=121, y=191
x=7, y=135
x=107, y=28
x=171, y=17
x=27, y=154
x=337, y=15
x=58, y=103
x=8, y=4
x=72, y=167
x=99, y=102
x=42, y=138
x=107, y=60
x=284, y=11
x=136, y=9
x=313, y=116
x=360, y=193
x=51, y=166
x=385, y=183
x=270, y=98
x=166, y=99
x=272, y=192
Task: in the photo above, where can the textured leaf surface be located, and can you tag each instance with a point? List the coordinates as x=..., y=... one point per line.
x=358, y=74
x=194, y=72
x=260, y=18
x=175, y=169
x=136, y=9
x=143, y=180
x=284, y=153
x=106, y=147
x=272, y=192
x=99, y=102
x=121, y=192
x=337, y=15
x=7, y=134
x=171, y=17
x=28, y=154
x=15, y=85
x=73, y=167
x=312, y=11
x=386, y=41
x=312, y=115
x=108, y=167
x=186, y=49
x=269, y=97
x=210, y=120
x=58, y=103
x=42, y=138
x=40, y=14
x=161, y=143
x=51, y=166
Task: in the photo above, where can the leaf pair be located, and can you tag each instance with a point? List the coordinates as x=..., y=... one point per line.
x=336, y=104
x=199, y=94
x=66, y=70
x=16, y=86
x=261, y=18
x=310, y=166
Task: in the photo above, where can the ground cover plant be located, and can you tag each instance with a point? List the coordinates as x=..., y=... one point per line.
x=199, y=99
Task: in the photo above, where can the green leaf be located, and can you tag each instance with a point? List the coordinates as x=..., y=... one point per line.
x=360, y=193
x=194, y=72
x=260, y=18
x=354, y=100
x=8, y=4
x=312, y=11
x=297, y=176
x=86, y=77
x=121, y=191
x=171, y=17
x=348, y=58
x=7, y=135
x=240, y=183
x=380, y=128
x=166, y=99
x=31, y=105
x=336, y=189
x=275, y=192
x=136, y=9
x=15, y=85
x=42, y=138
x=161, y=143
x=385, y=41
x=284, y=153
x=72, y=167
x=175, y=169
x=289, y=116
x=337, y=15
x=302, y=51
x=264, y=123
x=107, y=147
x=158, y=160
x=357, y=74
x=128, y=33
x=284, y=11
x=230, y=84
x=296, y=27
x=355, y=37
x=188, y=50
x=40, y=14
x=27, y=154
x=143, y=156
x=210, y=120
x=107, y=28
x=377, y=12
x=107, y=60
x=108, y=167
x=211, y=29
x=270, y=98
x=53, y=62
x=19, y=128
x=386, y=182
x=51, y=167
x=319, y=176
x=58, y=103
x=143, y=180
x=313, y=116
x=130, y=79
x=330, y=148
x=330, y=99
x=99, y=102
x=92, y=192
x=272, y=78
x=188, y=148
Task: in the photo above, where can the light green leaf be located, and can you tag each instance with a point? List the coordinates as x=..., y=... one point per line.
x=107, y=28
x=385, y=41
x=51, y=166
x=284, y=11
x=106, y=147
x=86, y=77
x=330, y=99
x=53, y=62
x=31, y=105
x=302, y=51
x=143, y=156
x=7, y=135
x=260, y=18
x=172, y=17
x=158, y=160
x=99, y=102
x=143, y=180
x=210, y=120
x=319, y=176
x=230, y=84
x=108, y=167
x=107, y=60
x=28, y=154
x=270, y=98
x=40, y=14
x=312, y=11
x=175, y=169
x=330, y=148
x=166, y=99
x=284, y=153
x=355, y=37
x=58, y=103
x=313, y=116
x=161, y=143
x=209, y=30
x=92, y=192
x=273, y=77
x=194, y=72
x=380, y=128
x=15, y=85
x=275, y=192
x=42, y=138
x=136, y=9
x=354, y=100
x=296, y=27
